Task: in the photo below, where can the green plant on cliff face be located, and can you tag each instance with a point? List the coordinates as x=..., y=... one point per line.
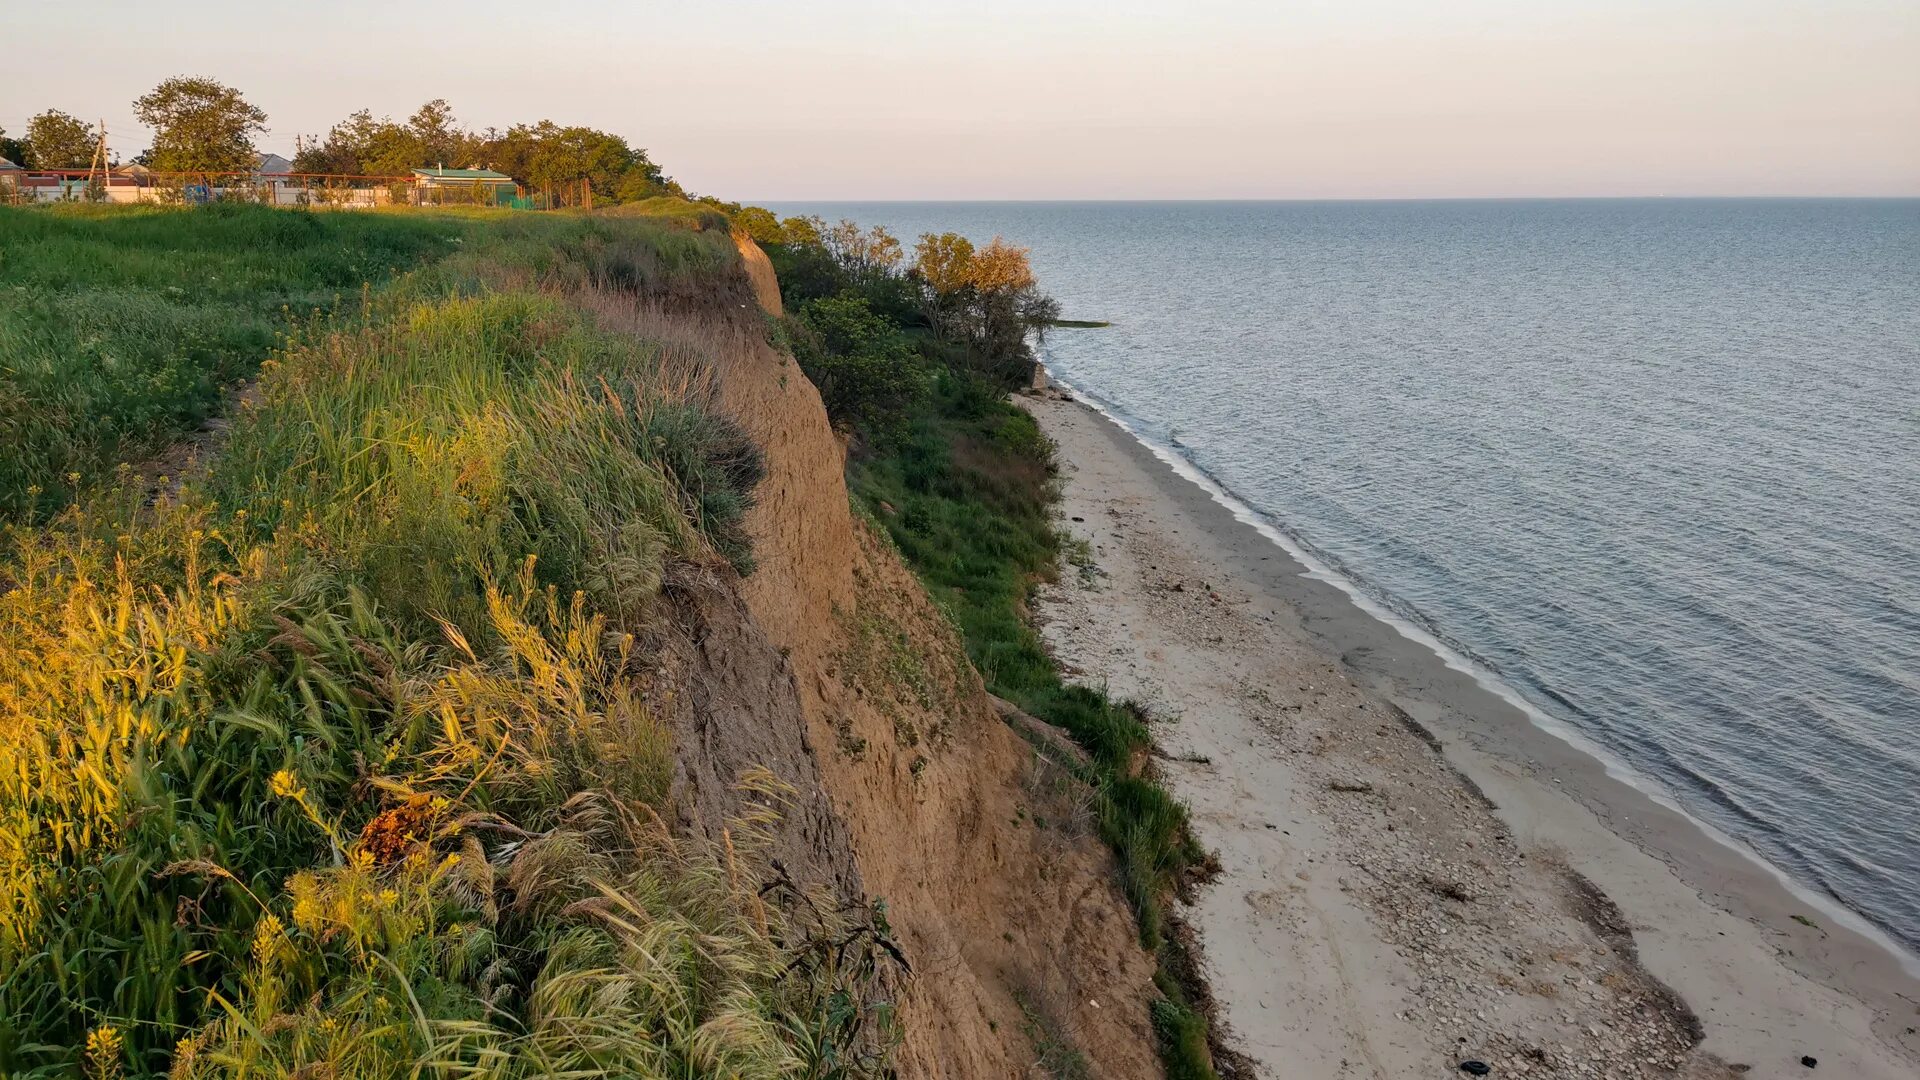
x=869, y=375
x=334, y=761
x=966, y=496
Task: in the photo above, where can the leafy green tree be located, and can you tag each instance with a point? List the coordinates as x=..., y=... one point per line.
x=803, y=230
x=868, y=373
x=437, y=136
x=200, y=125
x=363, y=146
x=545, y=154
x=58, y=140
x=342, y=150
x=869, y=254
x=759, y=223
x=392, y=150
x=548, y=155
x=14, y=150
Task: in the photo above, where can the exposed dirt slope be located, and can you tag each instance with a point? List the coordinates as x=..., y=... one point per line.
x=734, y=708
x=766, y=286
x=998, y=891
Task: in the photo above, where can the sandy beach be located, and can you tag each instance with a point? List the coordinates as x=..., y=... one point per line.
x=1413, y=873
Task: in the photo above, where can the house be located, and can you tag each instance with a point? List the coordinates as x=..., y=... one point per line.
x=270, y=183
x=443, y=185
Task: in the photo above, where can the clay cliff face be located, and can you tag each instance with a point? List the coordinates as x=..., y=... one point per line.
x=760, y=275
x=830, y=667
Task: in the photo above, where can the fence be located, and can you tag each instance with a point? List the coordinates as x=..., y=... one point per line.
x=333, y=190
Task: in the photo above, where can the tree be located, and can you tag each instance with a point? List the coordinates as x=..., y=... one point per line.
x=363, y=146
x=438, y=139
x=867, y=372
x=343, y=150
x=759, y=223
x=986, y=298
x=14, y=150
x=59, y=141
x=944, y=263
x=864, y=255
x=200, y=126
x=543, y=154
x=803, y=230
x=547, y=155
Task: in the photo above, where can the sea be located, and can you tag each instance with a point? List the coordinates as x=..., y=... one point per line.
x=1652, y=464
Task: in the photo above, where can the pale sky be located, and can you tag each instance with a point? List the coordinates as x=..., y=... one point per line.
x=1059, y=99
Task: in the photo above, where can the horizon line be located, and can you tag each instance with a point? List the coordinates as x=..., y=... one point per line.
x=1771, y=197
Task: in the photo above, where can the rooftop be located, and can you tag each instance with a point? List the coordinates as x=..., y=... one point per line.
x=462, y=174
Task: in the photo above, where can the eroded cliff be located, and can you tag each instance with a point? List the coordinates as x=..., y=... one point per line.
x=829, y=667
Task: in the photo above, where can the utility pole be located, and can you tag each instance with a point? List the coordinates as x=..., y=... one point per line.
x=99, y=161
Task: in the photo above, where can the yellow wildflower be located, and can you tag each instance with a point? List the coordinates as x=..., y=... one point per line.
x=105, y=1060
x=269, y=937
x=184, y=1053
x=287, y=786
x=307, y=910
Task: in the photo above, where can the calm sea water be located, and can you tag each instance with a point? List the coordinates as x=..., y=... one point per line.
x=1656, y=463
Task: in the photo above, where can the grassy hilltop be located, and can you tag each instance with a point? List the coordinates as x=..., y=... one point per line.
x=239, y=826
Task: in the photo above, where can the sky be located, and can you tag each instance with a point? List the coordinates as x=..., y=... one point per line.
x=780, y=100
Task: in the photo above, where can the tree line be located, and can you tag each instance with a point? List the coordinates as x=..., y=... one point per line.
x=539, y=155
x=204, y=126
x=876, y=327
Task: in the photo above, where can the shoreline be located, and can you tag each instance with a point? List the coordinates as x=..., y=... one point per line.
x=1317, y=568
x=1772, y=971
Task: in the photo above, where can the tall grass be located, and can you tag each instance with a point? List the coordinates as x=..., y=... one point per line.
x=335, y=761
x=120, y=327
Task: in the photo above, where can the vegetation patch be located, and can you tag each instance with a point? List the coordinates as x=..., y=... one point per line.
x=1059, y=1059
x=332, y=761
x=122, y=328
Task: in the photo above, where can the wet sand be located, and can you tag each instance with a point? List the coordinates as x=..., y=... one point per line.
x=1414, y=873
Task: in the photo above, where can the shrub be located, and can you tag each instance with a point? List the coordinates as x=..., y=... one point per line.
x=867, y=372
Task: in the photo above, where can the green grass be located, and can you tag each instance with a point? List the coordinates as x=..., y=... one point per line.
x=121, y=327
x=971, y=489
x=685, y=213
x=334, y=761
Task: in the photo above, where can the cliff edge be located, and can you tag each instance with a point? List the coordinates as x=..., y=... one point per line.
x=830, y=667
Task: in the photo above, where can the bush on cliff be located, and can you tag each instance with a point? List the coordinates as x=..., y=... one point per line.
x=868, y=373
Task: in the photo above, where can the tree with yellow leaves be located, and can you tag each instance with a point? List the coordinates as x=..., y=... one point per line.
x=986, y=298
